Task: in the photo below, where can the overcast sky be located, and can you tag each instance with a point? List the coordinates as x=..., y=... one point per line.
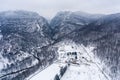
x=48, y=8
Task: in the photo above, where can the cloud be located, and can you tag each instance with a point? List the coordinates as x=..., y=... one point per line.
x=48, y=8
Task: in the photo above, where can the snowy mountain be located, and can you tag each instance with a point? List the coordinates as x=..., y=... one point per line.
x=74, y=45
x=23, y=35
x=103, y=33
x=65, y=22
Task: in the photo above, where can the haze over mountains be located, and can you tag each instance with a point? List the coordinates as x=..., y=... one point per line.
x=28, y=41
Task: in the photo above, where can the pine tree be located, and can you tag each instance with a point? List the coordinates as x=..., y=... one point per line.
x=56, y=77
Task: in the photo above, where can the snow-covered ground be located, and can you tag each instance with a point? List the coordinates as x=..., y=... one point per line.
x=47, y=74
x=69, y=46
x=83, y=72
x=88, y=66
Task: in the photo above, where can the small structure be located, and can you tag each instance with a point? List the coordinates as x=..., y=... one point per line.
x=71, y=57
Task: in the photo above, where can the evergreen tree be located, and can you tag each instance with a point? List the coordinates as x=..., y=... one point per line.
x=56, y=77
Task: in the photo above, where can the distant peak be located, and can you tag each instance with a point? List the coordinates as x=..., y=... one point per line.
x=18, y=14
x=79, y=13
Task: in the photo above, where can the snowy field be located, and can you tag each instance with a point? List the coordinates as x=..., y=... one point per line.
x=83, y=72
x=47, y=74
x=74, y=72
x=89, y=66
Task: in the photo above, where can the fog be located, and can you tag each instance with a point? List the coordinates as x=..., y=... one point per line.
x=48, y=8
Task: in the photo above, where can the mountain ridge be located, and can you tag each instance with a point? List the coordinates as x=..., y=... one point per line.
x=28, y=37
